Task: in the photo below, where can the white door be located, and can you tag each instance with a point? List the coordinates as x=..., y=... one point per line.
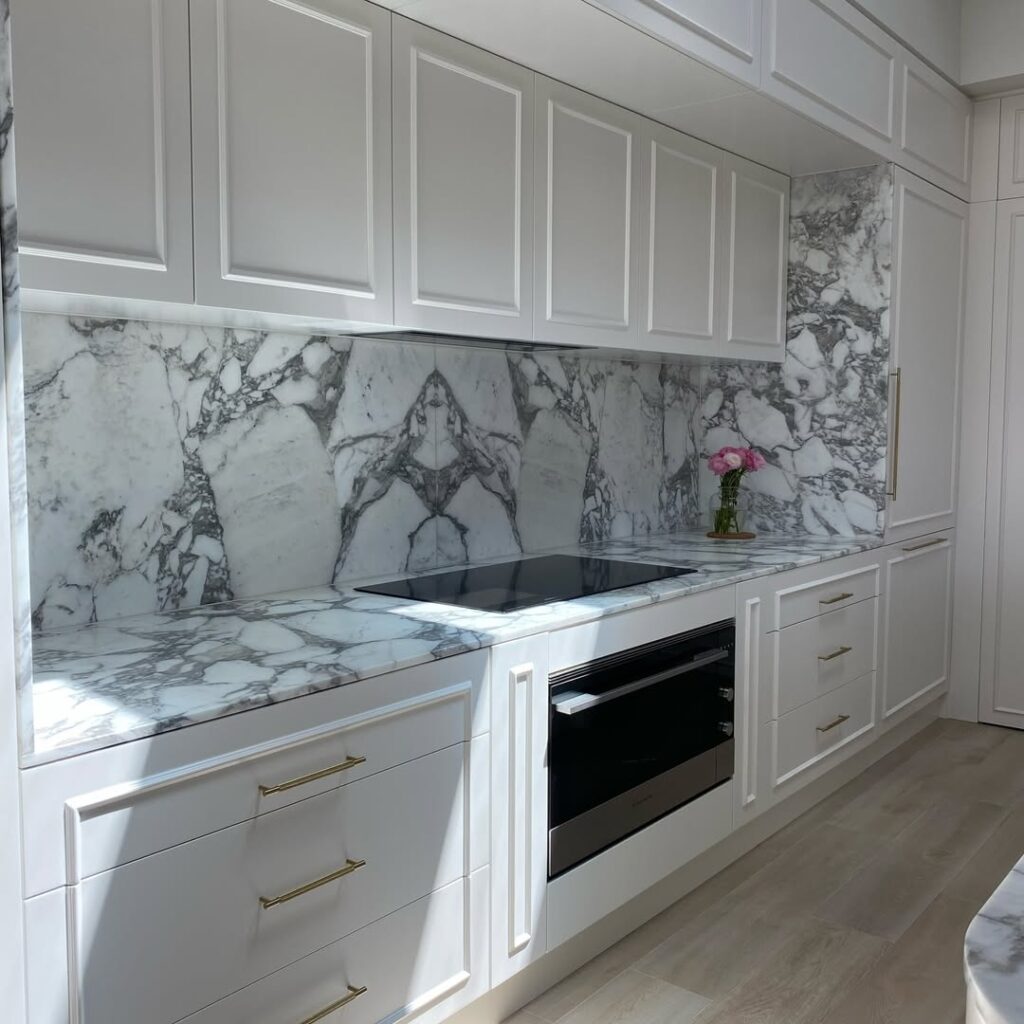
x=291, y=108
x=104, y=157
x=1002, y=635
x=1011, y=147
x=756, y=261
x=463, y=143
x=929, y=256
x=587, y=219
x=918, y=606
x=684, y=242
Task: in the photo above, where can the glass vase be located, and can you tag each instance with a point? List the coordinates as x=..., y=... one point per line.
x=729, y=513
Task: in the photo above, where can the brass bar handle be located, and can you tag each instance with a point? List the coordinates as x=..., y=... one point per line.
x=835, y=654
x=839, y=719
x=844, y=596
x=926, y=544
x=353, y=993
x=896, y=431
x=266, y=902
x=323, y=773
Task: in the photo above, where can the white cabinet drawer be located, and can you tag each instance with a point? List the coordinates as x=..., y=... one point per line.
x=164, y=936
x=824, y=595
x=118, y=831
x=430, y=954
x=806, y=735
x=819, y=655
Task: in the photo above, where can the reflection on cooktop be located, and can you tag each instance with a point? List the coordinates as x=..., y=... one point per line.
x=525, y=582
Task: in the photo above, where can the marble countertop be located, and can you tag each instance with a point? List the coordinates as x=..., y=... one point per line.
x=107, y=683
x=994, y=955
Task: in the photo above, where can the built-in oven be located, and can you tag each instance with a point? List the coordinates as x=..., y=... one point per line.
x=635, y=735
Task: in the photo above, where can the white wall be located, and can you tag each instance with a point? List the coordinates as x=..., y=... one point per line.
x=992, y=44
x=931, y=27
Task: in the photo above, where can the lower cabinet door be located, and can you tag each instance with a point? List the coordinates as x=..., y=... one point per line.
x=917, y=621
x=425, y=960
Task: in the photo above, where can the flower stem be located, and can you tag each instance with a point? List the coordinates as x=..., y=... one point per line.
x=726, y=519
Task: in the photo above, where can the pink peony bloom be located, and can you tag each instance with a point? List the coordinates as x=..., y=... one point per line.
x=754, y=460
x=730, y=458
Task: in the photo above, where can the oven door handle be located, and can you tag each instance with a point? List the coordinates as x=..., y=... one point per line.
x=572, y=702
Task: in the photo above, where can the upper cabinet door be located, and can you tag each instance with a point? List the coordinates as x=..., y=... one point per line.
x=1011, y=147
x=292, y=131
x=723, y=33
x=757, y=261
x=929, y=253
x=463, y=145
x=587, y=218
x=104, y=163
x=935, y=127
x=828, y=61
x=684, y=242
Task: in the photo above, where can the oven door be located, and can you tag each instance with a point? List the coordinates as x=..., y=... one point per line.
x=636, y=735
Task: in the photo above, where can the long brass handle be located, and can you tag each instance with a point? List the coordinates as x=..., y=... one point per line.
x=839, y=719
x=353, y=993
x=266, y=902
x=844, y=596
x=835, y=654
x=323, y=773
x=926, y=544
x=896, y=431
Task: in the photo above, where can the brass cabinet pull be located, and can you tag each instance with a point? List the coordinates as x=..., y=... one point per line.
x=926, y=544
x=353, y=993
x=839, y=719
x=266, y=902
x=896, y=432
x=334, y=769
x=835, y=654
x=844, y=596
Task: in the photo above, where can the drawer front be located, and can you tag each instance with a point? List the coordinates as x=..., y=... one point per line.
x=826, y=595
x=819, y=655
x=428, y=954
x=112, y=832
x=815, y=730
x=166, y=935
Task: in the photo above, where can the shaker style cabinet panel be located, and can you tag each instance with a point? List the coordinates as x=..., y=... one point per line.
x=587, y=219
x=723, y=33
x=929, y=255
x=754, y=281
x=1011, y=147
x=918, y=603
x=104, y=159
x=831, y=63
x=684, y=242
x=291, y=111
x=463, y=146
x=935, y=127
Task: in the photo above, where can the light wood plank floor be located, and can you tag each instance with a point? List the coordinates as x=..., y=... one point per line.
x=853, y=914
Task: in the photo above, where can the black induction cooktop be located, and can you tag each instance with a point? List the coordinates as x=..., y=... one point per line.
x=526, y=582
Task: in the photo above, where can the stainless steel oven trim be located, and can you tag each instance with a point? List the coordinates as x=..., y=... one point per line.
x=572, y=702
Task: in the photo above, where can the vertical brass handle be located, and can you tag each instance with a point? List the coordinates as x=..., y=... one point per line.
x=266, y=902
x=896, y=432
x=839, y=719
x=353, y=993
x=835, y=654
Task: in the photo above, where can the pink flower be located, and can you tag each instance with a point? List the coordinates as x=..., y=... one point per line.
x=729, y=458
x=754, y=460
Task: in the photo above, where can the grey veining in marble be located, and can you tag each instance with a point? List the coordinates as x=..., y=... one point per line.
x=107, y=683
x=994, y=954
x=820, y=418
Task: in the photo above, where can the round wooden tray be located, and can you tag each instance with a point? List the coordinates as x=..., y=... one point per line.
x=731, y=536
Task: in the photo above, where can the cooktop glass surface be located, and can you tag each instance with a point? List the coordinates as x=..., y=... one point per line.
x=510, y=586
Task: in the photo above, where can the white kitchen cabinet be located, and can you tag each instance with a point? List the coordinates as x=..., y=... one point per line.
x=519, y=799
x=684, y=242
x=587, y=219
x=723, y=33
x=918, y=608
x=104, y=151
x=830, y=62
x=463, y=148
x=756, y=261
x=935, y=127
x=291, y=108
x=929, y=258
x=1002, y=639
x=1011, y=147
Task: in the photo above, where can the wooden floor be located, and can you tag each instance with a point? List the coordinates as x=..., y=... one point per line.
x=853, y=914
